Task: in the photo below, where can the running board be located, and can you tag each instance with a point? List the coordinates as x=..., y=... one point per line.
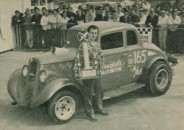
x=122, y=90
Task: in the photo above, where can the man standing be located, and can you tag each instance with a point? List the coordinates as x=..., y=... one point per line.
x=163, y=23
x=95, y=58
x=152, y=21
x=37, y=31
x=172, y=39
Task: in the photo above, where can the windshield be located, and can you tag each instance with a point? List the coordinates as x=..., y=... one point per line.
x=72, y=40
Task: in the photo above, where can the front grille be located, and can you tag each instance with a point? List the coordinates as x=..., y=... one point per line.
x=33, y=69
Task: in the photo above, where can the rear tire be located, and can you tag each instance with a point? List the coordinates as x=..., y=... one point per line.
x=62, y=106
x=159, y=78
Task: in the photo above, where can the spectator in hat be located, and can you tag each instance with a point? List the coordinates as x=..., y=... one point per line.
x=172, y=38
x=152, y=21
x=163, y=23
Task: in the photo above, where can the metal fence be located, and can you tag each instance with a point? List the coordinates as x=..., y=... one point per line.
x=36, y=37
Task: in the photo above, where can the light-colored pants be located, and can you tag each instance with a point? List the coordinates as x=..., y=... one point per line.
x=29, y=38
x=162, y=37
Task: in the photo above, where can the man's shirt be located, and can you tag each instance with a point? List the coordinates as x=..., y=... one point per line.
x=95, y=58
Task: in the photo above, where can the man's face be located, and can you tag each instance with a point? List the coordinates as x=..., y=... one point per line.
x=37, y=11
x=17, y=14
x=119, y=9
x=93, y=33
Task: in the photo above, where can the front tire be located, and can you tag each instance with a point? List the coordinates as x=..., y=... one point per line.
x=62, y=106
x=159, y=78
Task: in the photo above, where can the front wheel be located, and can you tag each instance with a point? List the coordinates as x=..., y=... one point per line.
x=62, y=106
x=159, y=78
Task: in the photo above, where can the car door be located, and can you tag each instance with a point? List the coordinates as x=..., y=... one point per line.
x=136, y=56
x=114, y=68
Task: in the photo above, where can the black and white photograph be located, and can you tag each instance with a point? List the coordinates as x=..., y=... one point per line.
x=92, y=64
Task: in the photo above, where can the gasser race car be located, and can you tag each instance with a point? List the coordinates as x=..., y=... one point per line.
x=128, y=64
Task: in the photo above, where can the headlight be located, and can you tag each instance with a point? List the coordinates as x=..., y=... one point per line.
x=43, y=76
x=25, y=70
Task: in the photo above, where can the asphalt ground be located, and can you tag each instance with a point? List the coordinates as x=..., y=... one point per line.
x=133, y=111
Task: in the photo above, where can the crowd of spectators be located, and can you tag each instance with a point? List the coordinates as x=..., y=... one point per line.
x=43, y=28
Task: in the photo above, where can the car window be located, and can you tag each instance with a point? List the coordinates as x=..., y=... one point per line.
x=131, y=38
x=113, y=40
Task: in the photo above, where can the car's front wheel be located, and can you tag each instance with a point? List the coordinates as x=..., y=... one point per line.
x=62, y=106
x=159, y=78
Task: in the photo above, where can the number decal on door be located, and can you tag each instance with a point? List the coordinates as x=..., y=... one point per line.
x=139, y=56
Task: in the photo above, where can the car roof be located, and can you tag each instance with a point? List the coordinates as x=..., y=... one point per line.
x=104, y=26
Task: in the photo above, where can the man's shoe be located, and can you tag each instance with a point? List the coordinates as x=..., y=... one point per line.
x=102, y=112
x=92, y=117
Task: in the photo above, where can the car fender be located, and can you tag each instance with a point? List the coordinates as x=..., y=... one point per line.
x=51, y=88
x=149, y=64
x=15, y=82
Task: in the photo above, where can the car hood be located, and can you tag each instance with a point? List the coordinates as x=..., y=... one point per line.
x=60, y=55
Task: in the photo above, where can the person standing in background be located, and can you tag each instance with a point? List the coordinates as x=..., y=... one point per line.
x=162, y=23
x=80, y=18
x=172, y=39
x=146, y=6
x=46, y=29
x=37, y=30
x=152, y=21
x=63, y=27
x=28, y=28
x=89, y=16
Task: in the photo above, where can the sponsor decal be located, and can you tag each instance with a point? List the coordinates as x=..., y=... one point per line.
x=112, y=67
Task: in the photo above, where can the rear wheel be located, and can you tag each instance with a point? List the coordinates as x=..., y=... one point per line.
x=62, y=106
x=159, y=78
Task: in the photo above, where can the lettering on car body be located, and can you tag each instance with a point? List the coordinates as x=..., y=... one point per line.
x=112, y=67
x=135, y=60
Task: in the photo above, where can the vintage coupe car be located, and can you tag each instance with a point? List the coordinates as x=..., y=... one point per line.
x=128, y=64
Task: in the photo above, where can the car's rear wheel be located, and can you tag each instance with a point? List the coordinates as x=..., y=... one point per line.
x=159, y=78
x=62, y=106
